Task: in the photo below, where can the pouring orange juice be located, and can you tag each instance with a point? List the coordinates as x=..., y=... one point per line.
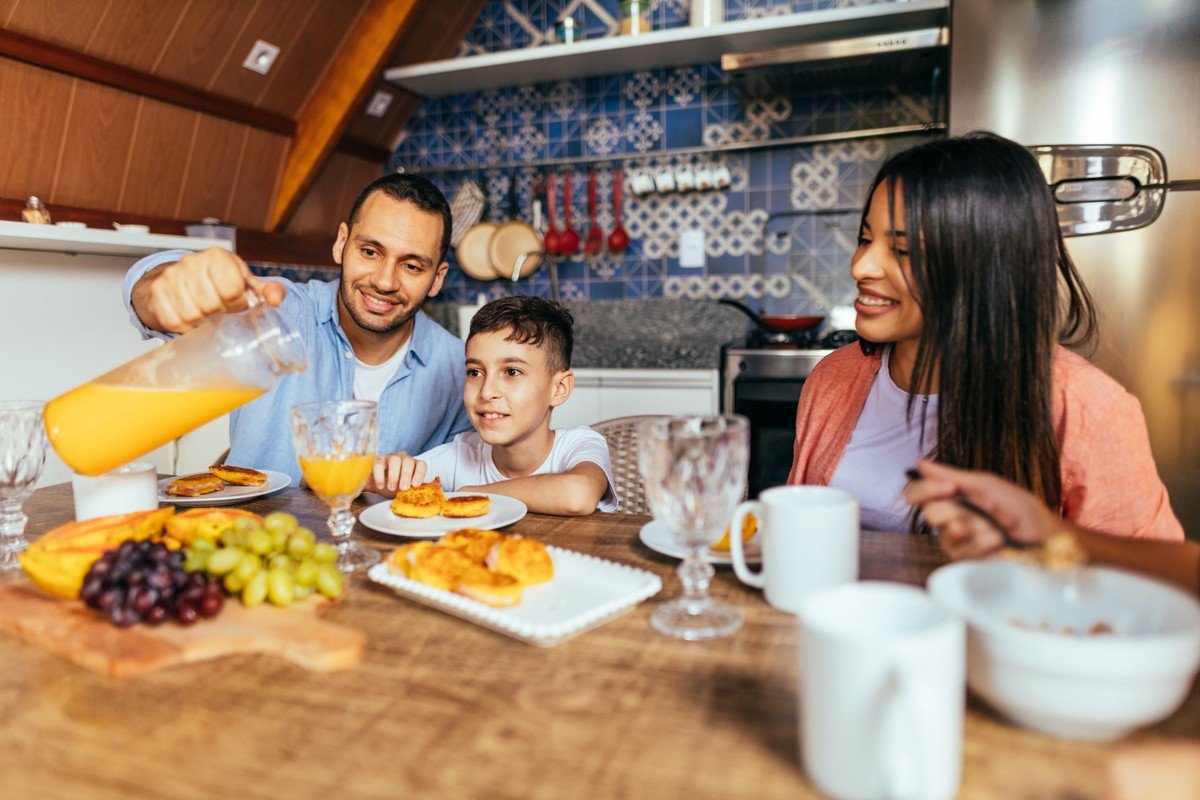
x=222, y=364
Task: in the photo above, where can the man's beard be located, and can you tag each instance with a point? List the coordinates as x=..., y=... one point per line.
x=369, y=323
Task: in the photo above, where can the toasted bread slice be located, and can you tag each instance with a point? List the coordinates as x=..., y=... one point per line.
x=527, y=560
x=195, y=485
x=471, y=505
x=401, y=561
x=440, y=567
x=489, y=588
x=472, y=542
x=420, y=502
x=238, y=476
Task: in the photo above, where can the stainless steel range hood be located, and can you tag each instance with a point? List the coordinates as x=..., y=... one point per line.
x=880, y=59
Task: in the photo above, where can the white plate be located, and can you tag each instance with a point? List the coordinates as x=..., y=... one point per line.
x=505, y=511
x=230, y=494
x=586, y=592
x=656, y=536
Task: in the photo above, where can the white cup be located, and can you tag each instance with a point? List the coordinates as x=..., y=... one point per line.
x=881, y=693
x=809, y=540
x=640, y=183
x=704, y=178
x=721, y=177
x=685, y=181
x=133, y=487
x=664, y=181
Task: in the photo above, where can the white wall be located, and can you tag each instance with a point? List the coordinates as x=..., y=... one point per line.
x=62, y=323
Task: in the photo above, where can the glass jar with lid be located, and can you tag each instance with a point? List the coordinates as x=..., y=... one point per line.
x=635, y=17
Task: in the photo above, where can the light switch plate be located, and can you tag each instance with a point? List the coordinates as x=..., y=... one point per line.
x=691, y=249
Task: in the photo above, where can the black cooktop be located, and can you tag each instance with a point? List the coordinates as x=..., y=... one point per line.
x=799, y=340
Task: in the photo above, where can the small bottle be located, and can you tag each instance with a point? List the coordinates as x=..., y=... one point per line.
x=35, y=212
x=566, y=30
x=635, y=17
x=706, y=13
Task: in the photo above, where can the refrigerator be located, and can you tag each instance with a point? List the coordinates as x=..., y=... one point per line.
x=1107, y=93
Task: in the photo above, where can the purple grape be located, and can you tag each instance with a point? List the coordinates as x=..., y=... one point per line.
x=191, y=595
x=197, y=578
x=101, y=566
x=179, y=578
x=160, y=579
x=186, y=614
x=175, y=558
x=126, y=549
x=211, y=604
x=123, y=617
x=143, y=599
x=93, y=585
x=110, y=598
x=136, y=578
x=156, y=614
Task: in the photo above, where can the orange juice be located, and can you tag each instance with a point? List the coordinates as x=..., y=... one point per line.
x=98, y=427
x=337, y=476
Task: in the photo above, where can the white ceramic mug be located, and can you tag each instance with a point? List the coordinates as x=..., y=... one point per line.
x=133, y=487
x=685, y=181
x=664, y=181
x=704, y=178
x=640, y=183
x=881, y=693
x=809, y=540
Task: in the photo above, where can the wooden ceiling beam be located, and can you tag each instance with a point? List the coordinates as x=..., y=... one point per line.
x=79, y=65
x=339, y=95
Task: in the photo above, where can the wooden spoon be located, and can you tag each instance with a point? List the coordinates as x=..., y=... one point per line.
x=568, y=240
x=618, y=240
x=593, y=242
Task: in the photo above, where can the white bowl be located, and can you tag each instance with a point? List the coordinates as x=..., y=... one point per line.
x=1089, y=687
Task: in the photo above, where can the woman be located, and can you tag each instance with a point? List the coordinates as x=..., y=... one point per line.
x=966, y=295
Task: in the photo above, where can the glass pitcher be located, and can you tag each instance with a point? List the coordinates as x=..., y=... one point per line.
x=223, y=363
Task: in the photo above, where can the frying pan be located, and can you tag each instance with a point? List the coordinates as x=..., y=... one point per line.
x=512, y=240
x=472, y=249
x=775, y=323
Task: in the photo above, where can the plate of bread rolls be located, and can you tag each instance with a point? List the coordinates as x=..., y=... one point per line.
x=426, y=512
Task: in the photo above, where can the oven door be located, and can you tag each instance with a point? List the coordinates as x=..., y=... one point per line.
x=770, y=405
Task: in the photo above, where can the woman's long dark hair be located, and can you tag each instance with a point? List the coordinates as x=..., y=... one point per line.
x=998, y=291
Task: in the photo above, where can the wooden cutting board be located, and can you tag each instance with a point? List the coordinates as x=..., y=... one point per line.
x=69, y=629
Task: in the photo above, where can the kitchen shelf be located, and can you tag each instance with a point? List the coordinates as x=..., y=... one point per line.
x=672, y=47
x=96, y=241
x=735, y=147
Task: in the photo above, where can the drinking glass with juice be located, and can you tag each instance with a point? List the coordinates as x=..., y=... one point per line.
x=222, y=364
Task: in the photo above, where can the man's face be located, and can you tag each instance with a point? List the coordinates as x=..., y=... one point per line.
x=390, y=262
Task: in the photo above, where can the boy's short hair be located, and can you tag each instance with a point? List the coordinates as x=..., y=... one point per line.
x=533, y=320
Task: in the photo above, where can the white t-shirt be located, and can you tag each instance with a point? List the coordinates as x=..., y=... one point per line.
x=467, y=461
x=883, y=447
x=371, y=379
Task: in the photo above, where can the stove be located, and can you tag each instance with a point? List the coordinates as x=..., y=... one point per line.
x=761, y=378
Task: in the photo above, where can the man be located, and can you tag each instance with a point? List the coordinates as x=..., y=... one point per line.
x=365, y=334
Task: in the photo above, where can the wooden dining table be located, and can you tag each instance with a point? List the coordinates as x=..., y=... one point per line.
x=440, y=707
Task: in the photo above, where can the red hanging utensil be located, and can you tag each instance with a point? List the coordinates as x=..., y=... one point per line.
x=568, y=240
x=552, y=235
x=593, y=242
x=618, y=240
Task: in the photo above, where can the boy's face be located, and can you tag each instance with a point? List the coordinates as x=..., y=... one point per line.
x=510, y=389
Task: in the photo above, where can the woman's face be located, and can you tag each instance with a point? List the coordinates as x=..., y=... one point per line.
x=887, y=311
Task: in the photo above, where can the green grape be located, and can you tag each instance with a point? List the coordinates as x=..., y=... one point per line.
x=300, y=545
x=224, y=560
x=279, y=540
x=230, y=537
x=255, y=591
x=233, y=584
x=244, y=525
x=247, y=568
x=258, y=541
x=280, y=587
x=280, y=521
x=302, y=591
x=202, y=545
x=324, y=553
x=196, y=562
x=306, y=573
x=281, y=561
x=329, y=581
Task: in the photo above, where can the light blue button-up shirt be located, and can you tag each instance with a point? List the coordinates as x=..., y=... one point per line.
x=420, y=408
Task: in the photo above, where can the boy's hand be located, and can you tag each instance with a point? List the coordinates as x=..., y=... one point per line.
x=396, y=473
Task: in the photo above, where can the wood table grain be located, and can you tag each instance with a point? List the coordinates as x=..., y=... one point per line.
x=442, y=708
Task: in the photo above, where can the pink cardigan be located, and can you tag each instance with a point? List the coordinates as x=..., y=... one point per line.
x=1110, y=482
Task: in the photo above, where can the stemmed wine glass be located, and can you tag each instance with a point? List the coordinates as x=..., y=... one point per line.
x=695, y=474
x=22, y=456
x=335, y=442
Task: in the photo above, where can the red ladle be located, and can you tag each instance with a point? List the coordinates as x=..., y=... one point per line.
x=552, y=237
x=618, y=240
x=593, y=243
x=568, y=240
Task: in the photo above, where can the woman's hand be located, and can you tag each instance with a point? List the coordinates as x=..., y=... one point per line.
x=396, y=472
x=965, y=534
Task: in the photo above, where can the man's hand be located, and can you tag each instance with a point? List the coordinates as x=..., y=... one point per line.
x=396, y=472
x=175, y=298
x=964, y=534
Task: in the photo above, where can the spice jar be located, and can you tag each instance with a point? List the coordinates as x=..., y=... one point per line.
x=35, y=212
x=567, y=31
x=635, y=17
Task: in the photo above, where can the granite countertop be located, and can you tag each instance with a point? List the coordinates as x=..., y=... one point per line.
x=650, y=333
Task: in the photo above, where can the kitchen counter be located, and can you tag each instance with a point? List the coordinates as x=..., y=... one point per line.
x=651, y=333
x=443, y=708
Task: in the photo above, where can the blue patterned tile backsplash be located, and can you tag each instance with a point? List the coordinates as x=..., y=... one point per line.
x=762, y=242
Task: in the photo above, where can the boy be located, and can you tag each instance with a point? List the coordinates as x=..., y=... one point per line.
x=518, y=371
